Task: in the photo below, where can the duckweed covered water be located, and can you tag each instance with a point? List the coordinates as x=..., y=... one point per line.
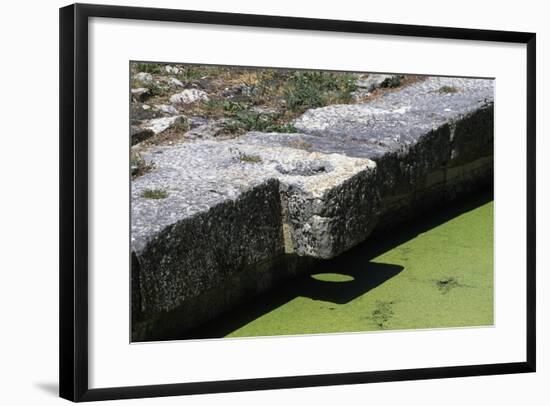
x=434, y=272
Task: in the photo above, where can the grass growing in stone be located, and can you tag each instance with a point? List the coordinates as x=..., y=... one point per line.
x=254, y=121
x=190, y=73
x=287, y=93
x=446, y=281
x=181, y=125
x=154, y=194
x=149, y=67
x=252, y=99
x=448, y=89
x=252, y=159
x=156, y=89
x=304, y=90
x=139, y=166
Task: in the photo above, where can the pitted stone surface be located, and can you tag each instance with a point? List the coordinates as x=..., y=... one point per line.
x=158, y=125
x=410, y=133
x=229, y=206
x=197, y=176
x=397, y=119
x=373, y=81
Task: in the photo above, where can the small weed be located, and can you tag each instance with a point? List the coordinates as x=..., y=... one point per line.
x=310, y=89
x=233, y=127
x=149, y=67
x=233, y=107
x=154, y=194
x=155, y=89
x=181, y=125
x=282, y=128
x=448, y=89
x=382, y=313
x=266, y=86
x=241, y=156
x=253, y=159
x=190, y=73
x=252, y=121
x=138, y=166
x=446, y=284
x=212, y=106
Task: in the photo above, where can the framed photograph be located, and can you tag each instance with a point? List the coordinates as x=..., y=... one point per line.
x=256, y=202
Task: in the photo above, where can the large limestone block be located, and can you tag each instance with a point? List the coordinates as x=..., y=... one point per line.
x=210, y=210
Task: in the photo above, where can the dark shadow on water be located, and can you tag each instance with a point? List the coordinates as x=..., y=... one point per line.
x=362, y=276
x=358, y=273
x=365, y=275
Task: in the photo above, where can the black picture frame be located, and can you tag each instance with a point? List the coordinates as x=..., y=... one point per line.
x=74, y=195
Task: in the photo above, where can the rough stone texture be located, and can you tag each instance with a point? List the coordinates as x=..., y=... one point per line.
x=373, y=81
x=188, y=96
x=181, y=259
x=237, y=93
x=141, y=112
x=159, y=125
x=205, y=129
x=167, y=109
x=143, y=77
x=242, y=214
x=230, y=207
x=327, y=217
x=319, y=191
x=398, y=119
x=413, y=135
x=175, y=82
x=173, y=70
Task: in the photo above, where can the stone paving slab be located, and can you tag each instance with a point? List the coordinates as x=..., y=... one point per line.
x=411, y=133
x=398, y=119
x=197, y=176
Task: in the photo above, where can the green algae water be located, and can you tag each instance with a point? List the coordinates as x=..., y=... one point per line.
x=434, y=272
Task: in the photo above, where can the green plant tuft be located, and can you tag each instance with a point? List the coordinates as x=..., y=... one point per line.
x=149, y=67
x=310, y=89
x=448, y=89
x=154, y=194
x=181, y=125
x=138, y=166
x=253, y=159
x=244, y=121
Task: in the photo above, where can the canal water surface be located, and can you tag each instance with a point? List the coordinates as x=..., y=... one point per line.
x=436, y=271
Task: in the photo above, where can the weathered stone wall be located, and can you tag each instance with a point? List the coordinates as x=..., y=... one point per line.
x=188, y=259
x=240, y=216
x=233, y=221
